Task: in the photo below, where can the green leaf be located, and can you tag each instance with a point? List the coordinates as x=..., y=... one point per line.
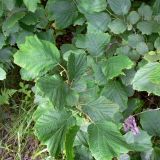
x=70, y=137
x=142, y=48
x=2, y=74
x=51, y=129
x=30, y=19
x=150, y=122
x=65, y=12
x=133, y=17
x=2, y=40
x=120, y=7
x=55, y=89
x=77, y=64
x=145, y=11
x=152, y=56
x=117, y=26
x=142, y=80
x=91, y=6
x=156, y=153
x=148, y=27
x=140, y=142
x=157, y=43
x=99, y=75
x=116, y=92
x=128, y=77
x=94, y=42
x=106, y=141
x=99, y=20
x=49, y=9
x=37, y=56
x=9, y=4
x=72, y=98
x=31, y=5
x=100, y=108
x=11, y=21
x=115, y=65
x=134, y=40
x=155, y=76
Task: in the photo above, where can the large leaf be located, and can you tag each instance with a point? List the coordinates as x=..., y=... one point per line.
x=143, y=79
x=94, y=42
x=91, y=6
x=2, y=74
x=77, y=64
x=55, y=89
x=116, y=92
x=150, y=122
x=100, y=108
x=37, y=56
x=120, y=7
x=31, y=5
x=115, y=65
x=51, y=129
x=65, y=12
x=70, y=137
x=106, y=141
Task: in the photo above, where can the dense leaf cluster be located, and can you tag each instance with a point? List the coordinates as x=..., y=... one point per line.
x=87, y=86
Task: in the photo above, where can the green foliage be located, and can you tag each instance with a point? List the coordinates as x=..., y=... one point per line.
x=149, y=121
x=37, y=56
x=52, y=127
x=106, y=141
x=2, y=74
x=89, y=61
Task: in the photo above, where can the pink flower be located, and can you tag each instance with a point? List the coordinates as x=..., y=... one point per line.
x=130, y=125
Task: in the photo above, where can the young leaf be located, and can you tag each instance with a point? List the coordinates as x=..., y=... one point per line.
x=106, y=141
x=51, y=129
x=37, y=56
